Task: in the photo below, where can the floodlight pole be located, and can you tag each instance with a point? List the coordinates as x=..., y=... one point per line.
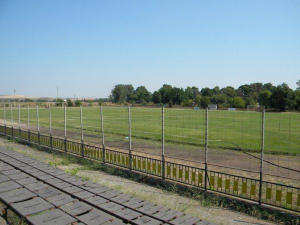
x=262, y=154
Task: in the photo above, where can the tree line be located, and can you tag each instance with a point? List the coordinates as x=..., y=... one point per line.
x=280, y=97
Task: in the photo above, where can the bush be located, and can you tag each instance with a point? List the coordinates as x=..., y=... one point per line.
x=69, y=102
x=77, y=103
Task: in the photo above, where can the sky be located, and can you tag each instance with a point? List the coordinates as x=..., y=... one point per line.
x=87, y=47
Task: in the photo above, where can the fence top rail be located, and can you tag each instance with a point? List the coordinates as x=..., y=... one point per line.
x=145, y=157
x=282, y=185
x=91, y=146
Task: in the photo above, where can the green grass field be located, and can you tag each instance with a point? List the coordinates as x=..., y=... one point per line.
x=227, y=129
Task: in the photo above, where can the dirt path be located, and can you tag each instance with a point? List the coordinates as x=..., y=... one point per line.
x=214, y=214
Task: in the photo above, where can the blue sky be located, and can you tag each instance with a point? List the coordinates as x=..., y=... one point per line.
x=86, y=47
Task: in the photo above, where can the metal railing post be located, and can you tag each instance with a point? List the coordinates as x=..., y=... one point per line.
x=82, y=146
x=129, y=126
x=262, y=155
x=102, y=132
x=50, y=127
x=65, y=121
x=163, y=142
x=38, y=124
x=206, y=148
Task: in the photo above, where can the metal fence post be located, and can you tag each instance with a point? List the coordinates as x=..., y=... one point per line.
x=50, y=127
x=65, y=121
x=129, y=126
x=19, y=122
x=28, y=127
x=206, y=148
x=102, y=132
x=163, y=141
x=12, y=121
x=262, y=154
x=38, y=124
x=19, y=118
x=82, y=146
x=4, y=114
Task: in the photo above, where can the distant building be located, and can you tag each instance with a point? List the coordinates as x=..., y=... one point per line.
x=212, y=107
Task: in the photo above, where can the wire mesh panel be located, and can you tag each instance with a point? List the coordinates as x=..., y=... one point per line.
x=185, y=135
x=44, y=120
x=234, y=141
x=282, y=152
x=146, y=131
x=115, y=122
x=24, y=117
x=73, y=127
x=92, y=125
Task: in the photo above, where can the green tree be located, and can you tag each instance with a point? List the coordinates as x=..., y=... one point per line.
x=216, y=90
x=122, y=93
x=69, y=102
x=204, y=102
x=166, y=93
x=77, y=103
x=189, y=93
x=156, y=97
x=207, y=92
x=59, y=102
x=229, y=92
x=297, y=99
x=198, y=100
x=218, y=99
x=268, y=86
x=298, y=83
x=142, y=94
x=178, y=95
x=264, y=98
x=244, y=90
x=238, y=102
x=280, y=97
